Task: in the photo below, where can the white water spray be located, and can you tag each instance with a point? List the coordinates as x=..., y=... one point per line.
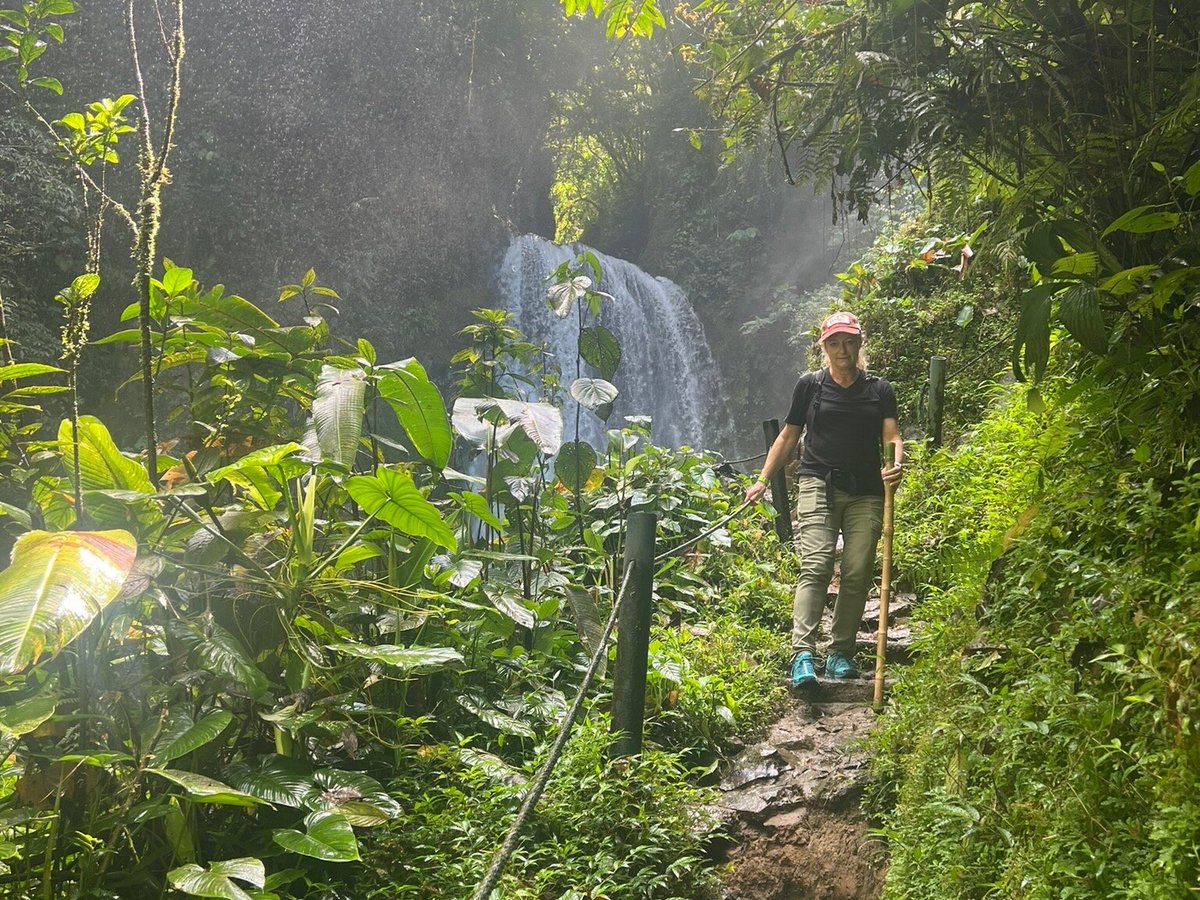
x=667, y=370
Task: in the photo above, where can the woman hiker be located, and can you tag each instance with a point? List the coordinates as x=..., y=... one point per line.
x=844, y=414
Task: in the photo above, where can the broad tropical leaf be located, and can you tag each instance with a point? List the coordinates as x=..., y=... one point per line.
x=407, y=658
x=1143, y=220
x=420, y=410
x=561, y=297
x=391, y=496
x=230, y=313
x=468, y=420
x=260, y=471
x=501, y=721
x=599, y=348
x=337, y=415
x=57, y=583
x=216, y=880
x=1079, y=310
x=215, y=650
x=477, y=505
x=1033, y=331
x=203, y=789
x=182, y=735
x=26, y=715
x=593, y=392
x=360, y=798
x=541, y=421
x=13, y=371
x=328, y=836
x=574, y=464
x=508, y=601
x=588, y=622
x=275, y=779
x=101, y=464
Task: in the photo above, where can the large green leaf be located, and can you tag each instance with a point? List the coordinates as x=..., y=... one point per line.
x=420, y=410
x=203, y=789
x=508, y=600
x=57, y=583
x=337, y=415
x=595, y=394
x=1033, y=331
x=26, y=715
x=276, y=779
x=360, y=798
x=182, y=735
x=328, y=836
x=588, y=622
x=408, y=658
x=1143, y=220
x=561, y=297
x=599, y=348
x=501, y=721
x=261, y=471
x=542, y=422
x=13, y=371
x=391, y=496
x=1079, y=310
x=215, y=650
x=230, y=313
x=216, y=880
x=101, y=464
x=477, y=505
x=574, y=464
x=470, y=419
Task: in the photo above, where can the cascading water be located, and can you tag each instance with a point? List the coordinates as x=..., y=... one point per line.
x=667, y=370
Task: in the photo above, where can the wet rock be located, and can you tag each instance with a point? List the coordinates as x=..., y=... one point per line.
x=741, y=777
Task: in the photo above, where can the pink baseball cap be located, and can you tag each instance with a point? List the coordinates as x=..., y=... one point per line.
x=840, y=323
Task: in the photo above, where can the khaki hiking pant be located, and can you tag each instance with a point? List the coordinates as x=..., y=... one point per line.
x=860, y=522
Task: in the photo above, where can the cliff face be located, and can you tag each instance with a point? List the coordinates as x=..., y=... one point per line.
x=392, y=147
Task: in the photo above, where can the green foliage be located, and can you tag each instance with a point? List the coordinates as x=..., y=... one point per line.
x=55, y=586
x=637, y=17
x=1043, y=730
x=634, y=836
x=27, y=35
x=287, y=636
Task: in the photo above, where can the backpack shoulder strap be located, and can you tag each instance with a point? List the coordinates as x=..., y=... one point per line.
x=813, y=401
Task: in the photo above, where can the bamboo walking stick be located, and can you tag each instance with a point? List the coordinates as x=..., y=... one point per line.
x=885, y=582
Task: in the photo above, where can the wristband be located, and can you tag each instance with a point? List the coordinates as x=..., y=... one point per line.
x=763, y=480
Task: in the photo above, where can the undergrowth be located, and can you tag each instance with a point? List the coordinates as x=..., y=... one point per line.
x=1044, y=743
x=617, y=828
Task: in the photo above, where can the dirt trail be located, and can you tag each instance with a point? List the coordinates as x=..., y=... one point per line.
x=791, y=801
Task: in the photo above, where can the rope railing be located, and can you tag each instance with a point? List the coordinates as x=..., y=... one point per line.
x=687, y=545
x=744, y=459
x=542, y=779
x=500, y=860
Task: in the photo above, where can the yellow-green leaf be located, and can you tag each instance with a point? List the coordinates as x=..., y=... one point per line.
x=57, y=583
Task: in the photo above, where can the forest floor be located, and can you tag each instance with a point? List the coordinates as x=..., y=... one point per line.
x=791, y=801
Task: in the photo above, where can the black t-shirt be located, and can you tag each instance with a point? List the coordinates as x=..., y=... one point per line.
x=843, y=430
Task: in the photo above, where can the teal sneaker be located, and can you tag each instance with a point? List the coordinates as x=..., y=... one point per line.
x=803, y=672
x=838, y=665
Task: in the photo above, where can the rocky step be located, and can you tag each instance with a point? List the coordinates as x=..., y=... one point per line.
x=898, y=652
x=900, y=607
x=789, y=805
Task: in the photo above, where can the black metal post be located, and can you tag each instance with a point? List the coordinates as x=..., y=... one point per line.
x=937, y=393
x=633, y=636
x=779, y=493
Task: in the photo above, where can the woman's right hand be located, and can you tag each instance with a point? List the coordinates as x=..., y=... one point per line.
x=755, y=492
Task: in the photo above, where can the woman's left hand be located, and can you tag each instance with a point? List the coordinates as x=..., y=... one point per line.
x=892, y=474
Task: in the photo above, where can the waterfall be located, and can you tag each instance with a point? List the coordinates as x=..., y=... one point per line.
x=667, y=370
